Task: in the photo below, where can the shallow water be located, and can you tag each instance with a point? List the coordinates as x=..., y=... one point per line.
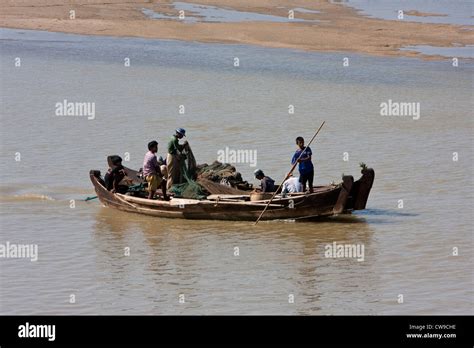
x=458, y=52
x=447, y=11
x=458, y=12
x=81, y=250
x=204, y=13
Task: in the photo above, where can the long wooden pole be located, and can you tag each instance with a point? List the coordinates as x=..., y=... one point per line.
x=289, y=173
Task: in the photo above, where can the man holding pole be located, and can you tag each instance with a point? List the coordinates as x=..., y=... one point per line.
x=291, y=171
x=302, y=156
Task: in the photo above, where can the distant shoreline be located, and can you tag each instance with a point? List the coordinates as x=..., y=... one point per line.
x=339, y=28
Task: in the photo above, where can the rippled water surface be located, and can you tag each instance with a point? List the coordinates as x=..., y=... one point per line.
x=408, y=250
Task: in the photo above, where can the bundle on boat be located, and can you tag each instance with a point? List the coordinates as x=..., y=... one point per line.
x=216, y=178
x=222, y=178
x=200, y=181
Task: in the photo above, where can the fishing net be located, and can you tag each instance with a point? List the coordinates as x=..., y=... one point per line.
x=224, y=174
x=200, y=181
x=188, y=188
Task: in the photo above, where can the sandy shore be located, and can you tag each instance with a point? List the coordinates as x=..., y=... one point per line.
x=340, y=29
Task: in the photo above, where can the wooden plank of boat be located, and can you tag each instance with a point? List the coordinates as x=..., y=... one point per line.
x=316, y=189
x=247, y=203
x=224, y=196
x=346, y=186
x=298, y=196
x=178, y=202
x=216, y=188
x=155, y=202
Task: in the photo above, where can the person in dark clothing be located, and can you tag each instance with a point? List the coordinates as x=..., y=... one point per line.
x=115, y=174
x=174, y=158
x=305, y=165
x=267, y=184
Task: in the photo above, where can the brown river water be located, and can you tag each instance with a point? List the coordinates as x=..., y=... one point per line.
x=422, y=250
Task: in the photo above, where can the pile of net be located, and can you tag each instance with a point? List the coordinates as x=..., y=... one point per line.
x=200, y=181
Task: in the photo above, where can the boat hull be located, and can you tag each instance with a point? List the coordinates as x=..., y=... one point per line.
x=325, y=201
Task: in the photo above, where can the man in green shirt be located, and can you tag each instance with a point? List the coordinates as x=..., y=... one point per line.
x=173, y=159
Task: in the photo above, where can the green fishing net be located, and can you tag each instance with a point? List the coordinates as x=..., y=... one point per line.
x=189, y=188
x=217, y=172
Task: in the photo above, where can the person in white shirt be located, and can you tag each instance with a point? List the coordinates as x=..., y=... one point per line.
x=291, y=185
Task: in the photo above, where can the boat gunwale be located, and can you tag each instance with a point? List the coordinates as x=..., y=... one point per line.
x=328, y=200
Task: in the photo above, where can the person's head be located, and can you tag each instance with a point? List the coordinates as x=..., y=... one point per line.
x=114, y=161
x=259, y=174
x=117, y=160
x=153, y=146
x=180, y=132
x=300, y=142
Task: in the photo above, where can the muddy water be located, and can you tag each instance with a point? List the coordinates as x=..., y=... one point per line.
x=45, y=161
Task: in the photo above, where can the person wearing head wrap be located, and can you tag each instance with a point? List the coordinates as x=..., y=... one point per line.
x=173, y=159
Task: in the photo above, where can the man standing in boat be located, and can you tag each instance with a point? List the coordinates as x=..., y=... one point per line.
x=305, y=166
x=152, y=172
x=174, y=157
x=267, y=184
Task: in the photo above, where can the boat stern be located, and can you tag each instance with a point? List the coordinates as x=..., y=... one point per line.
x=360, y=190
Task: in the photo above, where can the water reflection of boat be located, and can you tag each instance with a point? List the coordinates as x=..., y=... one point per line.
x=324, y=201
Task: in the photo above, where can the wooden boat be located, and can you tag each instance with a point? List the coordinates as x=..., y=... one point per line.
x=324, y=201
